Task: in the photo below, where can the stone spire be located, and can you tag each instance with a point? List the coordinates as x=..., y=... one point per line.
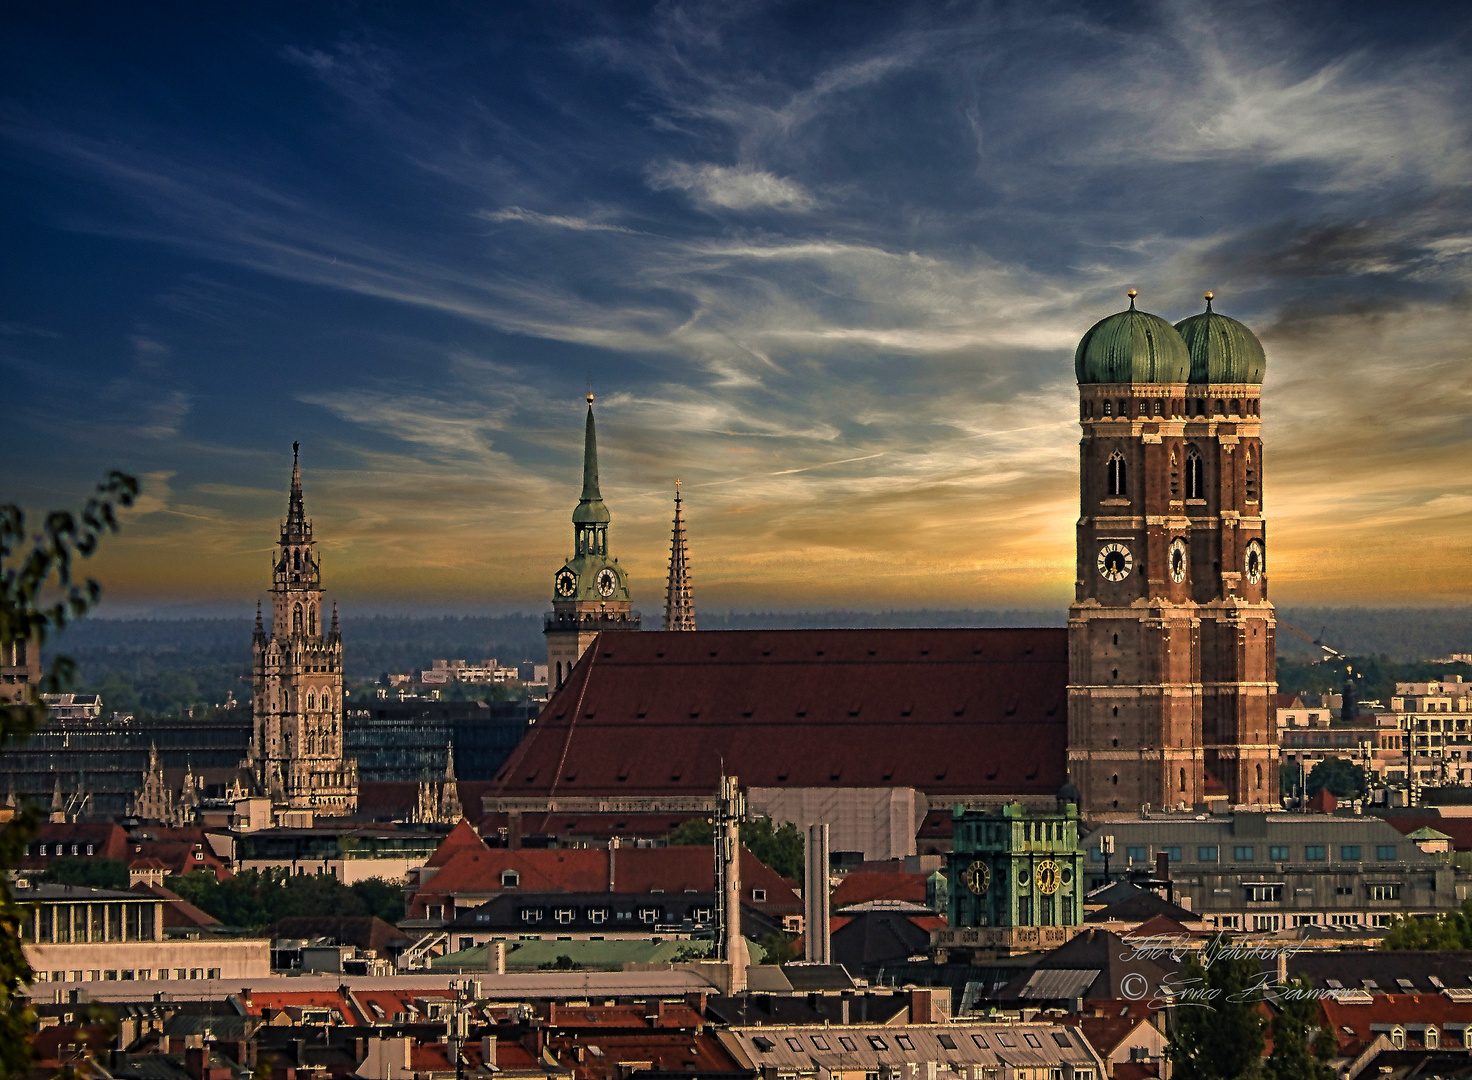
x=335, y=634
x=296, y=529
x=679, y=599
x=260, y=634
x=590, y=503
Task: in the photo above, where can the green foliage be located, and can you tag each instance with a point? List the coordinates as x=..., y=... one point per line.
x=1375, y=676
x=779, y=847
x=1451, y=932
x=91, y=873
x=1341, y=776
x=38, y=597
x=562, y=963
x=1217, y=1032
x=257, y=898
x=1301, y=1049
x=777, y=949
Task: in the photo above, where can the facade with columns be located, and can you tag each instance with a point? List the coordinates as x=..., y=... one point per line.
x=297, y=705
x=590, y=593
x=1171, y=635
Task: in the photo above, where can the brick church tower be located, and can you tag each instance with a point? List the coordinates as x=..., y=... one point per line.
x=297, y=740
x=591, y=591
x=1171, y=635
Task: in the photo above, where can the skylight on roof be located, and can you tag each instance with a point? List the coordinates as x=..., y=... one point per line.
x=1406, y=984
x=1436, y=982
x=1334, y=984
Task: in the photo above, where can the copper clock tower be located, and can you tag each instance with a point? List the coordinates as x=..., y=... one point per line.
x=1171, y=634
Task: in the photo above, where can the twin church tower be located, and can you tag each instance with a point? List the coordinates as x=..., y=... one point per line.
x=1171, y=635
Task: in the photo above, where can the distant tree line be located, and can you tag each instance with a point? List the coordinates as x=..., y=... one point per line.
x=254, y=899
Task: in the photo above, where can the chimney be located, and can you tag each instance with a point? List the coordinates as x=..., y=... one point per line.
x=1162, y=873
x=513, y=829
x=488, y=1051
x=496, y=957
x=612, y=851
x=920, y=1007
x=817, y=933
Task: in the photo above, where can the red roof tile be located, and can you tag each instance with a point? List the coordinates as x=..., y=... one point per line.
x=862, y=888
x=948, y=711
x=462, y=838
x=1351, y=1022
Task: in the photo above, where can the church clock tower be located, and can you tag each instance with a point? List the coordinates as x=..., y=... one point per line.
x=1171, y=635
x=591, y=591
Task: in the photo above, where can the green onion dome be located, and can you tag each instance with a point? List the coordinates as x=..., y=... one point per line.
x=1132, y=347
x=1222, y=349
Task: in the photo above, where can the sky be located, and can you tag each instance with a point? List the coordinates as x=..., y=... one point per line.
x=824, y=263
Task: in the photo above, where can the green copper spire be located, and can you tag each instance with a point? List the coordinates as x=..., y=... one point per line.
x=590, y=504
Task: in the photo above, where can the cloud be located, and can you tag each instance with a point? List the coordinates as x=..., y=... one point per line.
x=731, y=187
x=555, y=221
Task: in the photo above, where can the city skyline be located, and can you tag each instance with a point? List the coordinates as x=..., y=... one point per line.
x=830, y=274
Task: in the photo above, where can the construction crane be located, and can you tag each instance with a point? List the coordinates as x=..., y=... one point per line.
x=1330, y=653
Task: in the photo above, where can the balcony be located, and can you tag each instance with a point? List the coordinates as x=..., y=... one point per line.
x=590, y=621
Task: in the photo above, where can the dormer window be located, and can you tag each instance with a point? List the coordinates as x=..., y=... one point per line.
x=510, y=879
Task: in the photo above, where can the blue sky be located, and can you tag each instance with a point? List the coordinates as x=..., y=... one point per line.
x=825, y=263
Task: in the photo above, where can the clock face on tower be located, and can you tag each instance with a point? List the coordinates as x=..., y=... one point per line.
x=566, y=583
x=1048, y=876
x=1115, y=562
x=977, y=878
x=606, y=581
x=1254, y=563
x=1178, y=561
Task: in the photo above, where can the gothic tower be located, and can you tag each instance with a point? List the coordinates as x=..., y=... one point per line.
x=1171, y=635
x=679, y=599
x=296, y=744
x=591, y=591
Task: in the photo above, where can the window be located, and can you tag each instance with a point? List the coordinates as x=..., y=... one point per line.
x=1314, y=853
x=597, y=915
x=759, y=895
x=1117, y=480
x=877, y=1043
x=1061, y=1038
x=1137, y=854
x=1260, y=892
x=510, y=879
x=1385, y=852
x=1350, y=852
x=649, y=915
x=1109, y=408
x=847, y=1043
x=531, y=914
x=822, y=1044
x=904, y=1042
x=1343, y=890
x=1206, y=854
x=1195, y=475
x=1032, y=1041
x=1278, y=853
x=794, y=1043
x=980, y=1041
x=1251, y=478
x=89, y=849
x=1385, y=892
x=945, y=1041
x=565, y=915
x=1242, y=853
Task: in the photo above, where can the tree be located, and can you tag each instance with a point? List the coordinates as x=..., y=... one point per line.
x=38, y=597
x=91, y=873
x=381, y=897
x=1451, y=932
x=1301, y=1048
x=779, y=847
x=777, y=948
x=1217, y=1032
x=257, y=898
x=1341, y=776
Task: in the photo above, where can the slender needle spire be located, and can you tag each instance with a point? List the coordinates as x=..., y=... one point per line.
x=679, y=598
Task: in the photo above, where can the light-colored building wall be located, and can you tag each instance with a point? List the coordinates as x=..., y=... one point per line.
x=347, y=871
x=880, y=822
x=143, y=961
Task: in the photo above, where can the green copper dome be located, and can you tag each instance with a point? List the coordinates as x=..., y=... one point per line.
x=1222, y=349
x=1132, y=347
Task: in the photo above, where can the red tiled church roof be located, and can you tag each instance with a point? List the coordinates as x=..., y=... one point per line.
x=462, y=838
x=946, y=711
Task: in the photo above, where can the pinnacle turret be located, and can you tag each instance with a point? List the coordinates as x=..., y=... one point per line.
x=679, y=598
x=590, y=503
x=297, y=529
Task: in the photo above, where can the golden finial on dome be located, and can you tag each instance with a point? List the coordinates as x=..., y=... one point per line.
x=1132, y=294
x=590, y=395
x=1209, y=297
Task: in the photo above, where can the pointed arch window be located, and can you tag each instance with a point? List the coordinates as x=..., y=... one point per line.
x=1195, y=475
x=1118, y=480
x=312, y=620
x=1108, y=408
x=1259, y=776
x=296, y=619
x=1251, y=478
x=1175, y=475
x=1183, y=779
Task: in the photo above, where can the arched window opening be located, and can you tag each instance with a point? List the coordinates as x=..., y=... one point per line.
x=1118, y=481
x=1175, y=475
x=1183, y=779
x=1220, y=409
x=1144, y=408
x=312, y=620
x=1109, y=408
x=1124, y=408
x=559, y=673
x=296, y=560
x=1236, y=407
x=1195, y=475
x=1159, y=407
x=1259, y=776
x=1251, y=468
x=296, y=619
x=1114, y=779
x=311, y=701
